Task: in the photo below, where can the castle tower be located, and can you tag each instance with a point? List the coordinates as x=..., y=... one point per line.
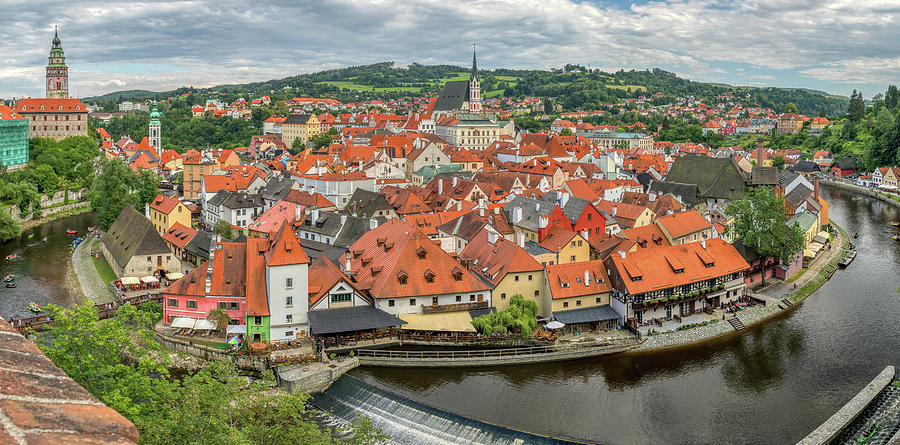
x=155, y=136
x=474, y=88
x=57, y=71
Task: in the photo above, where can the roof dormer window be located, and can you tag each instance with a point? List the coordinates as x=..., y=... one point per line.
x=422, y=253
x=402, y=278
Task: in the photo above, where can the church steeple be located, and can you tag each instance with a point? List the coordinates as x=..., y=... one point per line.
x=474, y=87
x=57, y=71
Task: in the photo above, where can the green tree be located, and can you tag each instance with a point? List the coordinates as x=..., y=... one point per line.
x=47, y=181
x=297, y=146
x=9, y=227
x=791, y=107
x=321, y=140
x=566, y=132
x=520, y=316
x=223, y=228
x=147, y=187
x=760, y=222
x=220, y=317
x=857, y=109
x=892, y=97
x=778, y=161
x=111, y=191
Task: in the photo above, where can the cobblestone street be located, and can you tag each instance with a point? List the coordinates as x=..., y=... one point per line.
x=92, y=285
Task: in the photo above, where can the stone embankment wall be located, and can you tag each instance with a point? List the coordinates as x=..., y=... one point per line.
x=54, y=203
x=832, y=427
x=313, y=377
x=862, y=191
x=246, y=362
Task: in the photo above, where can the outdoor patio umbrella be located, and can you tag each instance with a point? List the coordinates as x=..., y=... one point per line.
x=174, y=275
x=130, y=280
x=554, y=325
x=234, y=340
x=183, y=323
x=204, y=325
x=149, y=280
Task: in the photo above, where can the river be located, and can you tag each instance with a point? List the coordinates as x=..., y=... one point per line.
x=41, y=268
x=773, y=383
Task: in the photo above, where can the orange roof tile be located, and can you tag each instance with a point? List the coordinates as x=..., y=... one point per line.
x=684, y=223
x=568, y=280
x=257, y=298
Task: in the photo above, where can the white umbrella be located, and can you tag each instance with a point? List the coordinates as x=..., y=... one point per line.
x=183, y=323
x=130, y=280
x=205, y=325
x=554, y=325
x=174, y=275
x=149, y=280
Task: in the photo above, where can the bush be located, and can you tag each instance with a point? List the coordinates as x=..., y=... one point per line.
x=521, y=316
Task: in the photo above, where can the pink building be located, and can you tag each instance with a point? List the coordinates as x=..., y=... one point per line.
x=188, y=297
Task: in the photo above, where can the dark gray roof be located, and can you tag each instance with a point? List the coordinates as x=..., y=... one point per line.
x=365, y=203
x=132, y=234
x=277, y=188
x=297, y=119
x=805, y=167
x=574, y=206
x=328, y=223
x=785, y=178
x=465, y=227
x=348, y=319
x=747, y=252
x=199, y=244
x=243, y=200
x=534, y=248
x=532, y=209
x=846, y=163
x=715, y=177
x=354, y=228
x=218, y=198
x=452, y=96
x=315, y=250
x=590, y=314
x=798, y=194
x=644, y=179
x=688, y=193
x=479, y=312
x=764, y=175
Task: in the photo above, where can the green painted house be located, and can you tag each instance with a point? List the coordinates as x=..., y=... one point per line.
x=13, y=138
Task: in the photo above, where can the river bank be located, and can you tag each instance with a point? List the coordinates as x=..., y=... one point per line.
x=57, y=212
x=893, y=200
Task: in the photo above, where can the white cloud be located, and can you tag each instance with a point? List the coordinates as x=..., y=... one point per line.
x=208, y=42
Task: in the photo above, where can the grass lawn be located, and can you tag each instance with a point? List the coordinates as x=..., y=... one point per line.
x=625, y=87
x=106, y=272
x=361, y=87
x=797, y=275
x=212, y=344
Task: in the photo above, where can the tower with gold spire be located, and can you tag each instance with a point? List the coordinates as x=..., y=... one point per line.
x=57, y=71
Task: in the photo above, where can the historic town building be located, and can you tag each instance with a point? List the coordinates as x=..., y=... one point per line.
x=57, y=71
x=54, y=118
x=155, y=130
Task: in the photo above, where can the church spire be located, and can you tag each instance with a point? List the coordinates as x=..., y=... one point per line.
x=57, y=71
x=474, y=62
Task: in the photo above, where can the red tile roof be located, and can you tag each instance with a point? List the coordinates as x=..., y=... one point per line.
x=50, y=106
x=323, y=276
x=280, y=212
x=568, y=280
x=684, y=223
x=494, y=261
x=164, y=204
x=179, y=235
x=257, y=297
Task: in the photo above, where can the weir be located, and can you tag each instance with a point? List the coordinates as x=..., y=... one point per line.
x=410, y=422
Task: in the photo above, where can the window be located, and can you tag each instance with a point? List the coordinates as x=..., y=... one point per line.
x=412, y=301
x=572, y=258
x=223, y=305
x=577, y=302
x=288, y=283
x=402, y=279
x=173, y=302
x=429, y=278
x=289, y=301
x=257, y=320
x=517, y=278
x=149, y=259
x=192, y=304
x=340, y=298
x=529, y=277
x=459, y=298
x=233, y=306
x=565, y=304
x=434, y=301
x=288, y=318
x=390, y=303
x=168, y=257
x=502, y=296
x=471, y=297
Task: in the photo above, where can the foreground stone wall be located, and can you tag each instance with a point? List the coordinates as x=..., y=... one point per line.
x=246, y=362
x=40, y=404
x=313, y=377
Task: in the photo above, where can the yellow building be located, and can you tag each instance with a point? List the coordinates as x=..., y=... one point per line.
x=509, y=268
x=575, y=287
x=299, y=126
x=163, y=212
x=568, y=246
x=808, y=224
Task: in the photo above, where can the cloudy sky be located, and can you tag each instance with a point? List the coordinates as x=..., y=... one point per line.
x=829, y=45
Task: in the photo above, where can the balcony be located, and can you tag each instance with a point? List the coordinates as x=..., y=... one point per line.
x=457, y=307
x=695, y=295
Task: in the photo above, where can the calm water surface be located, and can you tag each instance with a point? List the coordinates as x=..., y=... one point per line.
x=40, y=268
x=773, y=383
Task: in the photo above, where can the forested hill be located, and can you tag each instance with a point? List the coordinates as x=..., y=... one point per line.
x=574, y=87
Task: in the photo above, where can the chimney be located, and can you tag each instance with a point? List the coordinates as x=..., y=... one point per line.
x=492, y=238
x=440, y=186
x=520, y=239
x=703, y=243
x=614, y=212
x=544, y=221
x=816, y=188
x=584, y=233
x=497, y=210
x=314, y=215
x=587, y=278
x=455, y=180
x=458, y=205
x=563, y=198
x=347, y=260
x=147, y=210
x=652, y=197
x=298, y=213
x=373, y=223
x=343, y=219
x=622, y=254
x=481, y=207
x=516, y=215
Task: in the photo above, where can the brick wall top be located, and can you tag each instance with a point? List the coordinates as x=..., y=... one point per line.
x=40, y=404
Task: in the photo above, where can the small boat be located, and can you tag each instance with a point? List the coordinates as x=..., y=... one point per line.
x=11, y=284
x=30, y=236
x=44, y=239
x=847, y=259
x=866, y=435
x=9, y=278
x=895, y=237
x=71, y=232
x=12, y=257
x=856, y=235
x=34, y=307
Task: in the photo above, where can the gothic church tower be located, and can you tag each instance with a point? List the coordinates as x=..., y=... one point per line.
x=57, y=71
x=474, y=88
